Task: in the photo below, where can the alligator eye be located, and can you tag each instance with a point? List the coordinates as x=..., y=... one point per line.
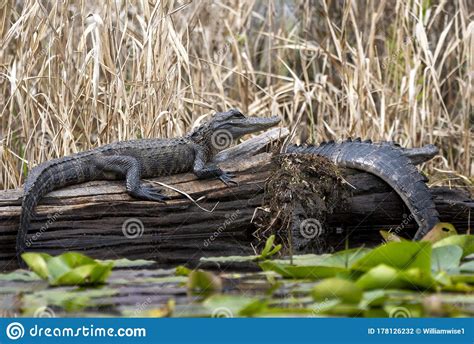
x=237, y=114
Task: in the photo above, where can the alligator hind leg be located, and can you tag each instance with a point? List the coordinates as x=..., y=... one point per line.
x=130, y=168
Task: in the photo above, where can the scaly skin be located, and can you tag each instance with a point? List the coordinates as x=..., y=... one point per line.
x=391, y=163
x=133, y=160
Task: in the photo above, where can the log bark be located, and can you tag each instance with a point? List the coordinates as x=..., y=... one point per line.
x=99, y=219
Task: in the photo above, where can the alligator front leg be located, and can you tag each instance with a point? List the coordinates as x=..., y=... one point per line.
x=130, y=168
x=209, y=170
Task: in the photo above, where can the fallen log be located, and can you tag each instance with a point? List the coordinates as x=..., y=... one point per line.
x=205, y=218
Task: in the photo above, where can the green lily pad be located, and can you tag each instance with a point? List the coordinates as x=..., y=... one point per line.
x=127, y=263
x=466, y=242
x=303, y=272
x=69, y=268
x=346, y=258
x=446, y=258
x=203, y=282
x=20, y=275
x=467, y=267
x=399, y=255
x=330, y=288
x=388, y=277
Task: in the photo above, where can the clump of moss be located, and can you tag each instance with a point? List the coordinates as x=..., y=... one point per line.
x=299, y=196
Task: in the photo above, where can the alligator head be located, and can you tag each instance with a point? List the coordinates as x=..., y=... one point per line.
x=226, y=127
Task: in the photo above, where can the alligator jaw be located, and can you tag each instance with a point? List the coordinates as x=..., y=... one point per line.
x=248, y=125
x=421, y=154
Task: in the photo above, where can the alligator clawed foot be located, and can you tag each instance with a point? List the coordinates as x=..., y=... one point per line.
x=226, y=178
x=149, y=193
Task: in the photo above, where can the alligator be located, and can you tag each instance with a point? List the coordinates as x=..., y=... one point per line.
x=390, y=162
x=132, y=160
x=145, y=158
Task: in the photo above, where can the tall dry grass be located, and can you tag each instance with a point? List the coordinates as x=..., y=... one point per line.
x=77, y=74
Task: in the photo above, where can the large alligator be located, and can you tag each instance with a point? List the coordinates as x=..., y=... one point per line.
x=132, y=160
x=393, y=164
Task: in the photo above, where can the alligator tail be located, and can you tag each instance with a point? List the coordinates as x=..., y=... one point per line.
x=42, y=179
x=393, y=165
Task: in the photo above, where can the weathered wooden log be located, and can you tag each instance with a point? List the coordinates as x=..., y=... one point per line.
x=101, y=220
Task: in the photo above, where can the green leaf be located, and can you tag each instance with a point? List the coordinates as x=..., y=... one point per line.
x=391, y=237
x=399, y=255
x=127, y=263
x=229, y=259
x=20, y=275
x=330, y=288
x=387, y=277
x=374, y=298
x=37, y=262
x=446, y=258
x=269, y=250
x=467, y=267
x=69, y=268
x=203, y=282
x=346, y=258
x=466, y=242
x=310, y=272
x=182, y=271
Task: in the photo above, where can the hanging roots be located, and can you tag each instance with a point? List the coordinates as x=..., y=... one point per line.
x=299, y=196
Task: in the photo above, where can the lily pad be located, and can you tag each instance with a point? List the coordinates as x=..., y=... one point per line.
x=388, y=277
x=466, y=242
x=203, y=282
x=399, y=255
x=303, y=272
x=69, y=268
x=337, y=288
x=127, y=263
x=446, y=258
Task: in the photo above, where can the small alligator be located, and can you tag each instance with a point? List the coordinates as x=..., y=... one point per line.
x=132, y=160
x=393, y=164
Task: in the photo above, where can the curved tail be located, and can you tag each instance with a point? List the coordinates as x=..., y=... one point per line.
x=42, y=179
x=393, y=165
